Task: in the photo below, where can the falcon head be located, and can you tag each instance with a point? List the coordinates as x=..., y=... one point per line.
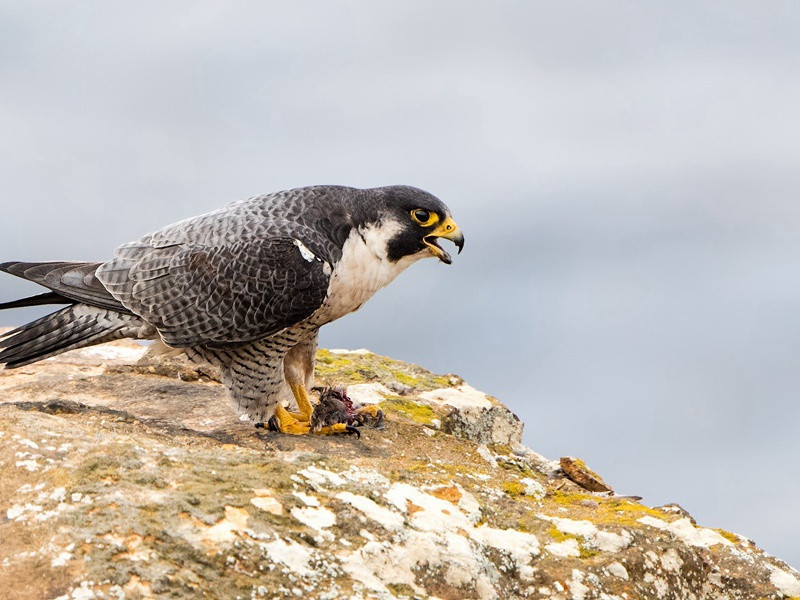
x=417, y=221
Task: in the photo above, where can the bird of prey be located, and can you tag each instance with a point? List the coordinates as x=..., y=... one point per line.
x=245, y=288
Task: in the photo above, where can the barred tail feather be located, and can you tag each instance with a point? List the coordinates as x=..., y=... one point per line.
x=71, y=282
x=38, y=300
x=67, y=329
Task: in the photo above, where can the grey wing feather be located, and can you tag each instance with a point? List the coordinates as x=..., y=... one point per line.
x=223, y=278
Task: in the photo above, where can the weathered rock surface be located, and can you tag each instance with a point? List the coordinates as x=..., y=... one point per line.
x=126, y=480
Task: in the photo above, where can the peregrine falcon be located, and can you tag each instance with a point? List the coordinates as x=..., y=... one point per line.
x=245, y=288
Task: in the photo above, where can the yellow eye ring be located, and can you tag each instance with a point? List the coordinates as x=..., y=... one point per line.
x=424, y=218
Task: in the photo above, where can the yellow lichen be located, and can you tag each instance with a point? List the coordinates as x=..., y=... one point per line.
x=567, y=498
x=343, y=369
x=405, y=378
x=421, y=413
x=558, y=535
x=440, y=381
x=731, y=537
x=514, y=488
x=501, y=449
x=626, y=506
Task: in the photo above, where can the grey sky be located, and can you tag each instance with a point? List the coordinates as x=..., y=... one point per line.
x=626, y=175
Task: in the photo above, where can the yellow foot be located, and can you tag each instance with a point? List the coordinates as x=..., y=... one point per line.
x=303, y=403
x=337, y=428
x=294, y=423
x=299, y=423
x=287, y=422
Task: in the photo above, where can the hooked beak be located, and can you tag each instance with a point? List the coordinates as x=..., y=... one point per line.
x=449, y=231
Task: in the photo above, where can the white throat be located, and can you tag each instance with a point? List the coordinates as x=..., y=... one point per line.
x=363, y=269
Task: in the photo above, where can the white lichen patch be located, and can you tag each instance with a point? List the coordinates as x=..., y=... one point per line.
x=685, y=531
x=427, y=512
x=58, y=494
x=461, y=397
x=29, y=464
x=564, y=549
x=225, y=530
x=367, y=477
x=437, y=534
x=785, y=582
x=487, y=455
x=368, y=393
x=372, y=510
x=21, y=512
x=322, y=477
x=316, y=518
x=577, y=588
x=306, y=499
x=83, y=592
x=294, y=556
x=469, y=505
x=521, y=547
x=605, y=541
x=533, y=488
x=617, y=570
x=268, y=503
x=379, y=563
x=671, y=560
x=361, y=351
x=61, y=559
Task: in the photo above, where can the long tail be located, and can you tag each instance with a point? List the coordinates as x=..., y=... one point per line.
x=93, y=316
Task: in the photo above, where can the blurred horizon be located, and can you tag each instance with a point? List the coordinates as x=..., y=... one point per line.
x=625, y=174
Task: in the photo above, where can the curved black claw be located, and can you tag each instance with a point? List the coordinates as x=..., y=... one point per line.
x=260, y=425
x=351, y=429
x=272, y=424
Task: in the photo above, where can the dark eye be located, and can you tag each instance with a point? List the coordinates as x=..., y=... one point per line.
x=424, y=217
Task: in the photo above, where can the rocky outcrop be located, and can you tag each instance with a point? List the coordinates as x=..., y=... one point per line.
x=125, y=477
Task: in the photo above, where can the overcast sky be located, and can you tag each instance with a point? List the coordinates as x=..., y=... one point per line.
x=626, y=175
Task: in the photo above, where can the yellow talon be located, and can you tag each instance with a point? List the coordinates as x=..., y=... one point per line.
x=287, y=423
x=337, y=428
x=332, y=429
x=303, y=403
x=299, y=423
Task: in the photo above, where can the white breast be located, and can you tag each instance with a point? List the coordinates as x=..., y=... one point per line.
x=363, y=269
